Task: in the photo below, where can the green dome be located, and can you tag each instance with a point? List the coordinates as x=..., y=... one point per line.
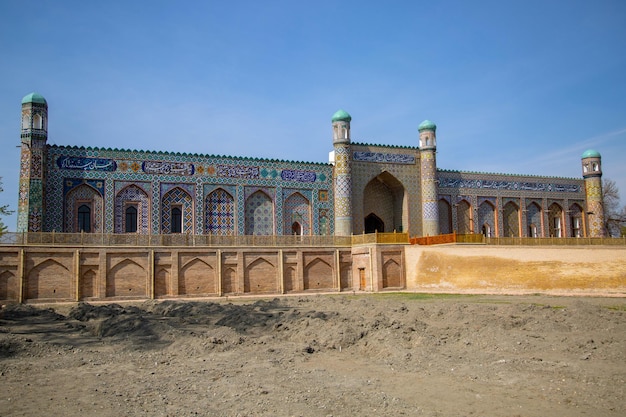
x=341, y=115
x=590, y=153
x=427, y=125
x=34, y=98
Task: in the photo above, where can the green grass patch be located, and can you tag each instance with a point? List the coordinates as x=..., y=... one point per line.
x=620, y=307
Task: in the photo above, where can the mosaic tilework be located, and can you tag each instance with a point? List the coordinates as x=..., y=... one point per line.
x=134, y=194
x=200, y=184
x=259, y=214
x=510, y=217
x=445, y=216
x=487, y=216
x=177, y=196
x=296, y=208
x=533, y=219
x=84, y=193
x=220, y=213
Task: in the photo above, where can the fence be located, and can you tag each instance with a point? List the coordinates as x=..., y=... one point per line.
x=519, y=241
x=132, y=240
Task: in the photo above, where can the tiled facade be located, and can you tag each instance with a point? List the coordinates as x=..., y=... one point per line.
x=365, y=188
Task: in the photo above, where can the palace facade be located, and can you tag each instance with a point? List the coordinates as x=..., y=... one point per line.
x=364, y=188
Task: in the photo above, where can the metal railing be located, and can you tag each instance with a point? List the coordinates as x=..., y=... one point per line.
x=140, y=240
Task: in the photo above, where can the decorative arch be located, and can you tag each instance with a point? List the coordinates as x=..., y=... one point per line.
x=127, y=278
x=8, y=286
x=259, y=214
x=533, y=220
x=555, y=220
x=510, y=219
x=464, y=217
x=162, y=284
x=196, y=277
x=487, y=218
x=576, y=220
x=49, y=279
x=373, y=223
x=392, y=274
x=84, y=196
x=88, y=284
x=219, y=211
x=385, y=197
x=172, y=201
x=445, y=216
x=297, y=210
x=229, y=280
x=129, y=197
x=260, y=277
x=289, y=277
x=318, y=275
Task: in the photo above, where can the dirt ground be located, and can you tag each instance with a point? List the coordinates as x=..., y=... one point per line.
x=318, y=355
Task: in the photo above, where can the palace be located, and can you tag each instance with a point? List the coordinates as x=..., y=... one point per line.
x=364, y=188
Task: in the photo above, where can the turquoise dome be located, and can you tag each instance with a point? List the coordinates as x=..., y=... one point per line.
x=341, y=115
x=590, y=153
x=427, y=125
x=34, y=98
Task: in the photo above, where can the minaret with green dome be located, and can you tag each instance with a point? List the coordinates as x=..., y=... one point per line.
x=342, y=173
x=592, y=173
x=428, y=166
x=34, y=134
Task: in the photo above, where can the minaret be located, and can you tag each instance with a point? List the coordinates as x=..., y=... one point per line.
x=32, y=162
x=592, y=173
x=342, y=173
x=428, y=164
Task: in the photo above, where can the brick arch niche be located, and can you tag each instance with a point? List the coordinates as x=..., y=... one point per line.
x=385, y=197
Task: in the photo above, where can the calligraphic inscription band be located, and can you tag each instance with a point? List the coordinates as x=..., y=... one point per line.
x=300, y=176
x=86, y=164
x=176, y=168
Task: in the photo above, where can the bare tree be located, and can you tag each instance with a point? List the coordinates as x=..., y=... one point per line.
x=614, y=215
x=4, y=211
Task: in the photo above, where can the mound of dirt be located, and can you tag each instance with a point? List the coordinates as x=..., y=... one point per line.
x=339, y=355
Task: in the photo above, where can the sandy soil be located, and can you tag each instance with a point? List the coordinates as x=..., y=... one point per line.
x=319, y=355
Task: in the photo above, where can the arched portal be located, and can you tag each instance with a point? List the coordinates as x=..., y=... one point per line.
x=385, y=198
x=555, y=218
x=373, y=223
x=445, y=217
x=296, y=229
x=510, y=218
x=487, y=217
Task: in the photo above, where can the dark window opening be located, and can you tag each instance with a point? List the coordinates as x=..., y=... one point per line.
x=84, y=218
x=131, y=219
x=177, y=220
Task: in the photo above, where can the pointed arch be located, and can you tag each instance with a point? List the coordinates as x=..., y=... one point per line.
x=127, y=278
x=131, y=198
x=49, y=279
x=229, y=280
x=373, y=224
x=260, y=277
x=177, y=214
x=576, y=220
x=392, y=274
x=487, y=218
x=464, y=217
x=318, y=275
x=533, y=220
x=162, y=285
x=259, y=214
x=445, y=216
x=196, y=277
x=88, y=284
x=555, y=220
x=219, y=212
x=386, y=198
x=510, y=219
x=8, y=286
x=90, y=202
x=297, y=209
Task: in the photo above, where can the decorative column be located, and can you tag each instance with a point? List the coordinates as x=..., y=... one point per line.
x=34, y=134
x=428, y=166
x=592, y=173
x=342, y=173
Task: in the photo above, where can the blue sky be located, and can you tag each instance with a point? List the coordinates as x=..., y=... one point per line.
x=514, y=86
